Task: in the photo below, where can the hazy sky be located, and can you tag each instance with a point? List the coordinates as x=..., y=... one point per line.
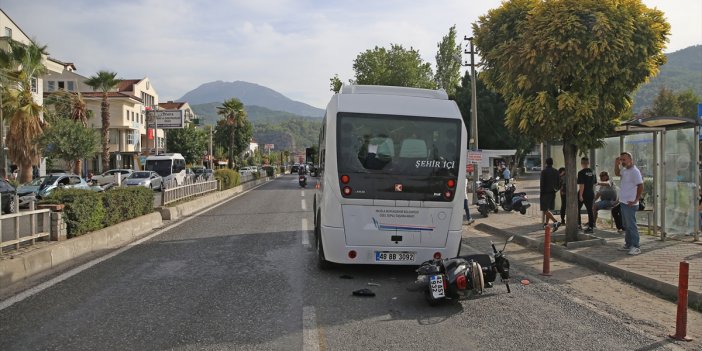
x=292, y=46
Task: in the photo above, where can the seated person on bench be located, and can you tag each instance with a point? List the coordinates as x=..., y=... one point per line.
x=607, y=194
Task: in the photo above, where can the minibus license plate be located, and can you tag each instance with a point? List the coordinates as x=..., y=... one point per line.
x=394, y=256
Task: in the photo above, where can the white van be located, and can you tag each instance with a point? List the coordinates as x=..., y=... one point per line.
x=171, y=167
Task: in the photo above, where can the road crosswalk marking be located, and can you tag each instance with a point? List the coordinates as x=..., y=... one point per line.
x=310, y=334
x=305, y=236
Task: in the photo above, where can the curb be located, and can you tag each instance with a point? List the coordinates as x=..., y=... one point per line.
x=55, y=256
x=655, y=286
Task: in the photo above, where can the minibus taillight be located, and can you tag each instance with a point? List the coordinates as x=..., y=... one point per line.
x=345, y=179
x=451, y=183
x=448, y=194
x=346, y=191
x=352, y=254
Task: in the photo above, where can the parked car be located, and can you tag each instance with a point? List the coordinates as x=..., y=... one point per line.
x=190, y=174
x=205, y=173
x=147, y=179
x=32, y=187
x=29, y=191
x=61, y=180
x=7, y=197
x=247, y=170
x=109, y=176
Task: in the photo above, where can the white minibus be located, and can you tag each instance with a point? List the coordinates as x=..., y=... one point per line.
x=171, y=167
x=392, y=177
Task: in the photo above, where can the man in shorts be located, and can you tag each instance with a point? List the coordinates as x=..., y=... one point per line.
x=549, y=184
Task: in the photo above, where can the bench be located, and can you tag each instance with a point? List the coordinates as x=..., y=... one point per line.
x=649, y=219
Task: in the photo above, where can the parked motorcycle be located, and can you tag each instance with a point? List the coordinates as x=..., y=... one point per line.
x=486, y=197
x=462, y=276
x=302, y=180
x=513, y=201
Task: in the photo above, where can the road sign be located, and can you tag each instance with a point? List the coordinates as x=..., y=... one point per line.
x=269, y=146
x=475, y=156
x=469, y=168
x=166, y=119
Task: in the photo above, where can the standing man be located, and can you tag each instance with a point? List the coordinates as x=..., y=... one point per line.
x=549, y=184
x=469, y=218
x=586, y=193
x=506, y=175
x=630, y=191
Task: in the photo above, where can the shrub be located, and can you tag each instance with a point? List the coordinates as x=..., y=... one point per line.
x=126, y=203
x=227, y=178
x=84, y=211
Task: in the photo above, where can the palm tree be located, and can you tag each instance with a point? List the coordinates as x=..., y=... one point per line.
x=70, y=105
x=21, y=66
x=234, y=117
x=104, y=81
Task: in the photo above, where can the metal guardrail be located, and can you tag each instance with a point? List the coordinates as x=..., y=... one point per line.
x=187, y=190
x=37, y=227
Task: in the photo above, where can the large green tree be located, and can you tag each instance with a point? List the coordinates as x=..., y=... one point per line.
x=395, y=66
x=189, y=141
x=567, y=68
x=491, y=119
x=448, y=63
x=21, y=66
x=69, y=140
x=104, y=81
x=69, y=105
x=234, y=126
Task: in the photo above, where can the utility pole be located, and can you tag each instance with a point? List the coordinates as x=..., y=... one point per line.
x=211, y=156
x=473, y=142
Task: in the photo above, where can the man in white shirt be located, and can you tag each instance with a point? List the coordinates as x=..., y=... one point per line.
x=630, y=191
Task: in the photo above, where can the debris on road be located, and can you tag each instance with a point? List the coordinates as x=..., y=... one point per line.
x=364, y=293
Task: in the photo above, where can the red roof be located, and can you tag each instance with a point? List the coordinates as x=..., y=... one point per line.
x=171, y=105
x=127, y=84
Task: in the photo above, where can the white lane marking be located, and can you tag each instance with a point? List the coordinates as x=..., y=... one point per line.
x=49, y=283
x=310, y=335
x=302, y=193
x=305, y=228
x=303, y=204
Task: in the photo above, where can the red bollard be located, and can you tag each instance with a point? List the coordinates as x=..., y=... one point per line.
x=547, y=252
x=681, y=318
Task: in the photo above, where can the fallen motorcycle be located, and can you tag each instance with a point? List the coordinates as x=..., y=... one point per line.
x=462, y=276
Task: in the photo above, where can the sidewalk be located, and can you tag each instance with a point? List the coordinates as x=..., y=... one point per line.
x=655, y=269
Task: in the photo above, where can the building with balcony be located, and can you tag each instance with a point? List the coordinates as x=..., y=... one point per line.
x=129, y=102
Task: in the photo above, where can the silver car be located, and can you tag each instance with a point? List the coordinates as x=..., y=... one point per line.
x=147, y=179
x=61, y=180
x=111, y=176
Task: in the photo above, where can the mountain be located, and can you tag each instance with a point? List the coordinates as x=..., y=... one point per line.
x=287, y=131
x=208, y=113
x=683, y=71
x=249, y=94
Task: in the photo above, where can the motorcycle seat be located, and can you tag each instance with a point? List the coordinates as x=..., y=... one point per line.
x=483, y=259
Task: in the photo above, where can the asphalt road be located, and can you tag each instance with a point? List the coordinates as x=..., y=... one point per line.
x=240, y=277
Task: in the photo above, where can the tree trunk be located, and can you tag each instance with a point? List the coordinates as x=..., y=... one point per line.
x=105, y=107
x=570, y=153
x=25, y=172
x=78, y=167
x=232, y=138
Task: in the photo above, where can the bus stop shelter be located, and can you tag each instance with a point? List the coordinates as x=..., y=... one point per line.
x=667, y=151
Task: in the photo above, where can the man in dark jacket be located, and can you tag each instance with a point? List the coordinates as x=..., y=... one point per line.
x=549, y=184
x=586, y=193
